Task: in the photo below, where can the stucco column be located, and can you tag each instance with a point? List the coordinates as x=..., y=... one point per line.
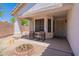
x=31, y=28
x=73, y=28
x=52, y=18
x=46, y=25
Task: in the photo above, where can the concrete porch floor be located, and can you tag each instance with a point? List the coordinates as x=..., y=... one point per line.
x=58, y=47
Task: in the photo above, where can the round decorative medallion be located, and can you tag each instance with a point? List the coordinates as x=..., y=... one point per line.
x=24, y=49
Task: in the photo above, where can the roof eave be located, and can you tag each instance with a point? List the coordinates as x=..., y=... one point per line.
x=17, y=8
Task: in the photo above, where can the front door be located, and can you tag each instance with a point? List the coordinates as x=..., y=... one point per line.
x=60, y=27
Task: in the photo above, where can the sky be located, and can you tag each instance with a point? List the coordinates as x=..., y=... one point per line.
x=7, y=8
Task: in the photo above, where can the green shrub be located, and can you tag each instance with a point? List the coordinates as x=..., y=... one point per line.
x=12, y=20
x=24, y=22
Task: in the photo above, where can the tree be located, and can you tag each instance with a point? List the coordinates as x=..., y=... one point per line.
x=12, y=20
x=1, y=10
x=24, y=22
x=1, y=13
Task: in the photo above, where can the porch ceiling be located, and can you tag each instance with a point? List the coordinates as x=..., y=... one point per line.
x=62, y=9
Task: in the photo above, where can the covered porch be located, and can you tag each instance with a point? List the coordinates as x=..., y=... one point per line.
x=51, y=24
x=46, y=22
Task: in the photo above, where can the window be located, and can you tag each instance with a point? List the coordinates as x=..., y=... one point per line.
x=49, y=25
x=39, y=25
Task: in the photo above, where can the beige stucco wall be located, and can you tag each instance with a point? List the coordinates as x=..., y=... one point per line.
x=73, y=29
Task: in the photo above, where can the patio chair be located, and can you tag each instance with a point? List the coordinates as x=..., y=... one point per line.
x=40, y=35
